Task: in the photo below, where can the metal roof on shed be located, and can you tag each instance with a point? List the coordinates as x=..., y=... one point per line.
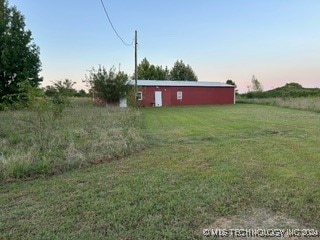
x=166, y=83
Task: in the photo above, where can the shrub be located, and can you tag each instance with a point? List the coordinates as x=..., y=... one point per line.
x=108, y=86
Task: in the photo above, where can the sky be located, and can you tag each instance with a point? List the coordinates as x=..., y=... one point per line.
x=277, y=41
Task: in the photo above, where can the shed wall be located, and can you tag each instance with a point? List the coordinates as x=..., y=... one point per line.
x=190, y=95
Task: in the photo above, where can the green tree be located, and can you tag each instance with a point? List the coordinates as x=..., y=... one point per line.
x=230, y=82
x=65, y=88
x=293, y=85
x=149, y=71
x=19, y=56
x=82, y=93
x=256, y=85
x=182, y=72
x=50, y=91
x=109, y=86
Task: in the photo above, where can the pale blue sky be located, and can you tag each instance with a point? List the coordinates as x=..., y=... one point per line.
x=278, y=41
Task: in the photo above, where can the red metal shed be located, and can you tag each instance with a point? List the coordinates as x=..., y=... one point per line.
x=177, y=93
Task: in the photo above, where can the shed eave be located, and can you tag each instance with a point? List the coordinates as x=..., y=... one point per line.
x=166, y=83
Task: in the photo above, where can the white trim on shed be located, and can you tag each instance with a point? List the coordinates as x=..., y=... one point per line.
x=167, y=83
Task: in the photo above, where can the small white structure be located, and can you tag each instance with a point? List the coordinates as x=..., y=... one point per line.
x=123, y=102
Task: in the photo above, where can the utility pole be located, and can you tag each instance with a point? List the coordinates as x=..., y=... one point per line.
x=136, y=64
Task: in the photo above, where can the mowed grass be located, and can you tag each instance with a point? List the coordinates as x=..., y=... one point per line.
x=201, y=164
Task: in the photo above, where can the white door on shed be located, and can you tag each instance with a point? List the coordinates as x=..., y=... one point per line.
x=158, y=98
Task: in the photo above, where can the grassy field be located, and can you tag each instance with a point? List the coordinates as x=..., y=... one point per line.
x=218, y=166
x=302, y=103
x=35, y=143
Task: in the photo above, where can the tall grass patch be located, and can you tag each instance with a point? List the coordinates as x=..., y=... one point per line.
x=38, y=142
x=303, y=103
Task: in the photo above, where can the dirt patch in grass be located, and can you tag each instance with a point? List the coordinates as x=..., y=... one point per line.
x=258, y=219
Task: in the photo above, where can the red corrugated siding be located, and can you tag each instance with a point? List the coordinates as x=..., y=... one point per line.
x=190, y=95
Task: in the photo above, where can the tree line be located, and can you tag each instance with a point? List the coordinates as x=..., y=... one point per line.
x=110, y=85
x=292, y=90
x=20, y=66
x=179, y=72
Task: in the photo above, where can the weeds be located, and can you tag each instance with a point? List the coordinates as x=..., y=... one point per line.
x=44, y=141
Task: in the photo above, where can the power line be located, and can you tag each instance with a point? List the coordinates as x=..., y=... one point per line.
x=115, y=31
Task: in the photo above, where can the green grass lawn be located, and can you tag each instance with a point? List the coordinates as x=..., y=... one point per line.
x=202, y=165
